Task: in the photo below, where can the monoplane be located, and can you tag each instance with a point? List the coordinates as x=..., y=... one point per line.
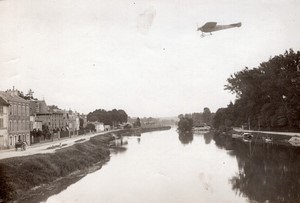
x=210, y=27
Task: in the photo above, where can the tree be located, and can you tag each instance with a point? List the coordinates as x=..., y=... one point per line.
x=138, y=122
x=185, y=124
x=197, y=119
x=46, y=131
x=206, y=116
x=91, y=127
x=28, y=96
x=81, y=121
x=112, y=117
x=267, y=95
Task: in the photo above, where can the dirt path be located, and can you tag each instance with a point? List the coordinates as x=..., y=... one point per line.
x=269, y=132
x=42, y=148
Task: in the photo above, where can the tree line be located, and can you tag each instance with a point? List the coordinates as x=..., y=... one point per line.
x=113, y=117
x=268, y=96
x=188, y=121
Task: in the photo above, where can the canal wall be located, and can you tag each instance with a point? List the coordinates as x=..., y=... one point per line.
x=33, y=178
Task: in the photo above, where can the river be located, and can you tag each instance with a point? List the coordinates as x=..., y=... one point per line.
x=166, y=167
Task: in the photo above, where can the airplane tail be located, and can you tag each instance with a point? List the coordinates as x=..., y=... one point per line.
x=236, y=25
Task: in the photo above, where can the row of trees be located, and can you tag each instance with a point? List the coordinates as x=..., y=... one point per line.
x=200, y=119
x=188, y=121
x=268, y=97
x=112, y=117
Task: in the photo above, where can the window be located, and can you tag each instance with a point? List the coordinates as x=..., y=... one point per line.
x=19, y=125
x=1, y=109
x=19, y=110
x=1, y=123
x=23, y=111
x=27, y=111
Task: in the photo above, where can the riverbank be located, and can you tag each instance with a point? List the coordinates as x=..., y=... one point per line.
x=29, y=176
x=151, y=129
x=34, y=178
x=278, y=138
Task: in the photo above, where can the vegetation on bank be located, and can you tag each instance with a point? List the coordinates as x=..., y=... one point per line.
x=151, y=129
x=21, y=174
x=268, y=97
x=185, y=123
x=188, y=121
x=112, y=117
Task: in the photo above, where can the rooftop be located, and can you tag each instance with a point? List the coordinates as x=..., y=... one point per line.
x=10, y=96
x=3, y=102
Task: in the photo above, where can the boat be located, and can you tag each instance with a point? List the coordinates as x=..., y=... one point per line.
x=201, y=130
x=295, y=141
x=267, y=139
x=247, y=137
x=237, y=136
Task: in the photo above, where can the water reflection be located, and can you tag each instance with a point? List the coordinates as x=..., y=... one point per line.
x=213, y=168
x=185, y=137
x=267, y=172
x=119, y=144
x=208, y=137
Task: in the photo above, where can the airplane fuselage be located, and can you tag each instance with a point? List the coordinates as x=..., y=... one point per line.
x=218, y=27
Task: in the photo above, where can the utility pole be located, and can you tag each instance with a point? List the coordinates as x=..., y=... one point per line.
x=249, y=123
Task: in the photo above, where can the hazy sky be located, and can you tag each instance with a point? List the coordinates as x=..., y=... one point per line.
x=141, y=56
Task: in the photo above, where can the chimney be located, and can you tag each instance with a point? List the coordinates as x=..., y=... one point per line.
x=12, y=92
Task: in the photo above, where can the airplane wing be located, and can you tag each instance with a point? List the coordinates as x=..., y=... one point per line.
x=209, y=25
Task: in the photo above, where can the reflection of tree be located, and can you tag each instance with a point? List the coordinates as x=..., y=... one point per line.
x=266, y=172
x=118, y=145
x=186, y=138
x=223, y=142
x=208, y=137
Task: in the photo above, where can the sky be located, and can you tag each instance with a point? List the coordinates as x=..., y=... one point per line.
x=145, y=56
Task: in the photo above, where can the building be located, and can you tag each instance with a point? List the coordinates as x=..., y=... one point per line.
x=107, y=127
x=34, y=124
x=18, y=117
x=73, y=122
x=84, y=120
x=57, y=121
x=38, y=106
x=100, y=127
x=42, y=115
x=4, y=120
x=38, y=114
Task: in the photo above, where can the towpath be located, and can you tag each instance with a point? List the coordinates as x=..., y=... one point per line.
x=42, y=148
x=292, y=134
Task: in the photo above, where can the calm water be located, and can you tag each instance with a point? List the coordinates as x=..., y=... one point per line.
x=165, y=167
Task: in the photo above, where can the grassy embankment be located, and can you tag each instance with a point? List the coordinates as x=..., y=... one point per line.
x=21, y=176
x=150, y=129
